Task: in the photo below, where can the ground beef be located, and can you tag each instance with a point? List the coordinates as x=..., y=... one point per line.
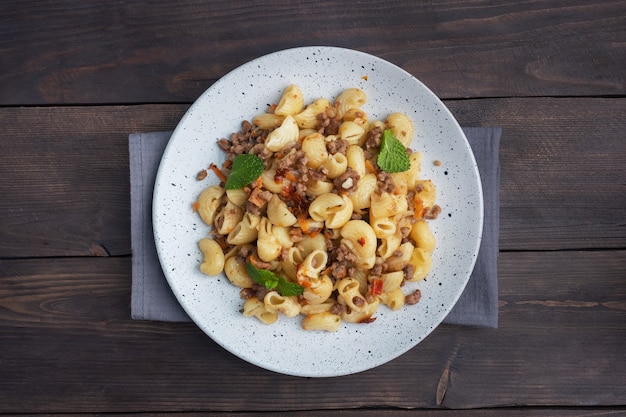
x=242, y=141
x=337, y=146
x=341, y=262
x=329, y=122
x=413, y=298
x=262, y=152
x=246, y=293
x=254, y=210
x=432, y=213
x=338, y=309
x=243, y=254
x=295, y=163
x=330, y=245
x=379, y=269
x=408, y=272
x=310, y=175
x=348, y=181
x=384, y=183
x=338, y=270
x=373, y=138
x=224, y=144
x=410, y=198
x=202, y=175
x=358, y=301
x=284, y=253
x=258, y=291
x=296, y=235
x=288, y=162
x=343, y=254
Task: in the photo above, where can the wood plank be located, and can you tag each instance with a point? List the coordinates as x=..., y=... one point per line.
x=65, y=183
x=501, y=412
x=72, y=51
x=562, y=168
x=68, y=345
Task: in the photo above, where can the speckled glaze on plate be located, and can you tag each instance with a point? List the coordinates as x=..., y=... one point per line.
x=214, y=304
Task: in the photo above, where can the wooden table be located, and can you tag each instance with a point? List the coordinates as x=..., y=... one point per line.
x=76, y=77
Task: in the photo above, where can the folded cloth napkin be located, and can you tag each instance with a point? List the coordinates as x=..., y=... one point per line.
x=152, y=298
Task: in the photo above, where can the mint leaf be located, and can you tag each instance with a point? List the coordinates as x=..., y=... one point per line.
x=272, y=281
x=246, y=168
x=393, y=156
x=262, y=276
x=289, y=289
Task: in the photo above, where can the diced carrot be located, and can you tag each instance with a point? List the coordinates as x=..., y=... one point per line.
x=303, y=223
x=291, y=177
x=195, y=206
x=418, y=207
x=217, y=172
x=369, y=166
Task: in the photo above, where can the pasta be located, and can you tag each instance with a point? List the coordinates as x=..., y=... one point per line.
x=285, y=135
x=323, y=232
x=213, y=262
x=402, y=127
x=253, y=307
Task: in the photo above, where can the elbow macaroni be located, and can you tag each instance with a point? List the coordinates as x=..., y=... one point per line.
x=331, y=241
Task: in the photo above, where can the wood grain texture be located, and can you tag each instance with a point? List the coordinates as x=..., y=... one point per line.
x=501, y=412
x=65, y=182
x=562, y=170
x=77, y=76
x=66, y=187
x=68, y=344
x=75, y=51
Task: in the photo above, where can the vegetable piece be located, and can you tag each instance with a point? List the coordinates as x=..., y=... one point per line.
x=272, y=281
x=376, y=286
x=393, y=156
x=218, y=173
x=246, y=168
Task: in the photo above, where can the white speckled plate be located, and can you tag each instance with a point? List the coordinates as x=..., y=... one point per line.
x=214, y=304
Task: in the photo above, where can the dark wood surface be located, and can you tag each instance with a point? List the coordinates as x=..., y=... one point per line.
x=76, y=77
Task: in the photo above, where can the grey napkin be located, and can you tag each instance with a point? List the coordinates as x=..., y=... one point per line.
x=478, y=305
x=152, y=298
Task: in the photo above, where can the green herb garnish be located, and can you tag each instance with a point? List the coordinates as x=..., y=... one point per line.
x=393, y=156
x=272, y=281
x=246, y=168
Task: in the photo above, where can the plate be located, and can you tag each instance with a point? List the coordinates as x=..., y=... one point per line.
x=214, y=304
